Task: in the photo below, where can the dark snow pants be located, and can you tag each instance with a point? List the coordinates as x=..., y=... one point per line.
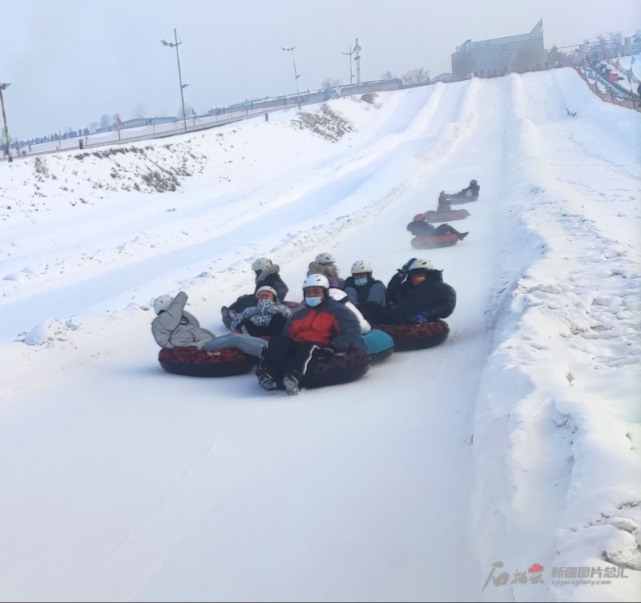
x=284, y=355
x=376, y=314
x=275, y=327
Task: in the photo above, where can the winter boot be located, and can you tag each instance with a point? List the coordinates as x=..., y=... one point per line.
x=267, y=382
x=291, y=384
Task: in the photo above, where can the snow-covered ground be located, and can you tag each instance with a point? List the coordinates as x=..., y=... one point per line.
x=517, y=440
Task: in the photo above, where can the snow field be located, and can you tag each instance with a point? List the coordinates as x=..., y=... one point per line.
x=122, y=482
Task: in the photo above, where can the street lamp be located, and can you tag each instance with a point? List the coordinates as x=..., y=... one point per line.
x=175, y=44
x=4, y=118
x=296, y=76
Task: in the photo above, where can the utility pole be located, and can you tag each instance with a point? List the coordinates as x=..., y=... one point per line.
x=4, y=119
x=357, y=58
x=349, y=54
x=296, y=76
x=176, y=43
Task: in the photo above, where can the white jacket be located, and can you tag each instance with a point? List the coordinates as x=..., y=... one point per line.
x=339, y=296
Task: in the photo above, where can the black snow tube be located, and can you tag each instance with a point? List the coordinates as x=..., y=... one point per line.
x=434, y=241
x=417, y=337
x=346, y=367
x=341, y=368
x=193, y=362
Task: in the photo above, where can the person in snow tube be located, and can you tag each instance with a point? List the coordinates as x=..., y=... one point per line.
x=421, y=228
x=472, y=190
x=444, y=204
x=361, y=287
x=325, y=263
x=174, y=327
x=323, y=328
x=267, y=275
x=416, y=295
x=265, y=319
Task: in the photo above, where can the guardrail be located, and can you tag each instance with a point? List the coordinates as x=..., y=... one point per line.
x=205, y=122
x=614, y=95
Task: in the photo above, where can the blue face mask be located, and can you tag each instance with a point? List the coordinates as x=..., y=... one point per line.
x=360, y=281
x=312, y=302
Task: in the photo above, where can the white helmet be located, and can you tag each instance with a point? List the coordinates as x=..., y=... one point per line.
x=262, y=264
x=325, y=258
x=316, y=280
x=269, y=289
x=162, y=303
x=420, y=264
x=361, y=267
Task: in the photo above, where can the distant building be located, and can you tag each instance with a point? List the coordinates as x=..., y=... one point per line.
x=497, y=55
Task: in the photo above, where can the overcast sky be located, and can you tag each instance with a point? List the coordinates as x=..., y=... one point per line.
x=70, y=61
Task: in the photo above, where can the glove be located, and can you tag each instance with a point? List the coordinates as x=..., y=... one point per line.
x=420, y=319
x=406, y=268
x=327, y=352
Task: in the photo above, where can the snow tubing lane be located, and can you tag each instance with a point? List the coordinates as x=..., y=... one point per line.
x=457, y=200
x=341, y=368
x=431, y=242
x=193, y=362
x=380, y=345
x=442, y=216
x=417, y=337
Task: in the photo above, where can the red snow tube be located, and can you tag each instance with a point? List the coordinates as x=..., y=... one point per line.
x=444, y=216
x=206, y=363
x=417, y=337
x=430, y=242
x=340, y=368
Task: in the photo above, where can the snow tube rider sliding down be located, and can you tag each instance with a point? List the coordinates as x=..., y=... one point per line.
x=443, y=213
x=188, y=349
x=418, y=300
x=322, y=344
x=267, y=318
x=267, y=275
x=428, y=236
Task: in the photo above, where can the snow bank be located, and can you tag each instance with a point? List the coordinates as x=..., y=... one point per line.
x=557, y=434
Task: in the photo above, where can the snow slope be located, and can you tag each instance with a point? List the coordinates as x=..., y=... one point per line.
x=122, y=482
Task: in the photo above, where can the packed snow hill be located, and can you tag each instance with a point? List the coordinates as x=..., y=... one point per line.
x=502, y=464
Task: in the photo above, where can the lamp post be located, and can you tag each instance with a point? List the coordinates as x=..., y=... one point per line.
x=4, y=119
x=349, y=54
x=176, y=44
x=296, y=76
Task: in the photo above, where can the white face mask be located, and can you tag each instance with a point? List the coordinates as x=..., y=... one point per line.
x=312, y=302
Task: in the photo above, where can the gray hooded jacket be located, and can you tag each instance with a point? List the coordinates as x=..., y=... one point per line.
x=175, y=328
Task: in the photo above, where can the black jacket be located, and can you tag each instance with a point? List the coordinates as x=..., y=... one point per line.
x=421, y=228
x=433, y=296
x=275, y=282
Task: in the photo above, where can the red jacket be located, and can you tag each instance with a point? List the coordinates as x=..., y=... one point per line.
x=331, y=323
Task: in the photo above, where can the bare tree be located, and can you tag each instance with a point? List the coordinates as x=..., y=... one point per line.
x=93, y=126
x=617, y=39
x=105, y=121
x=388, y=75
x=328, y=83
x=140, y=111
x=416, y=76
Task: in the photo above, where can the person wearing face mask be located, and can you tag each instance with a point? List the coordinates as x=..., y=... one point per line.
x=361, y=287
x=267, y=318
x=267, y=275
x=415, y=295
x=323, y=327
